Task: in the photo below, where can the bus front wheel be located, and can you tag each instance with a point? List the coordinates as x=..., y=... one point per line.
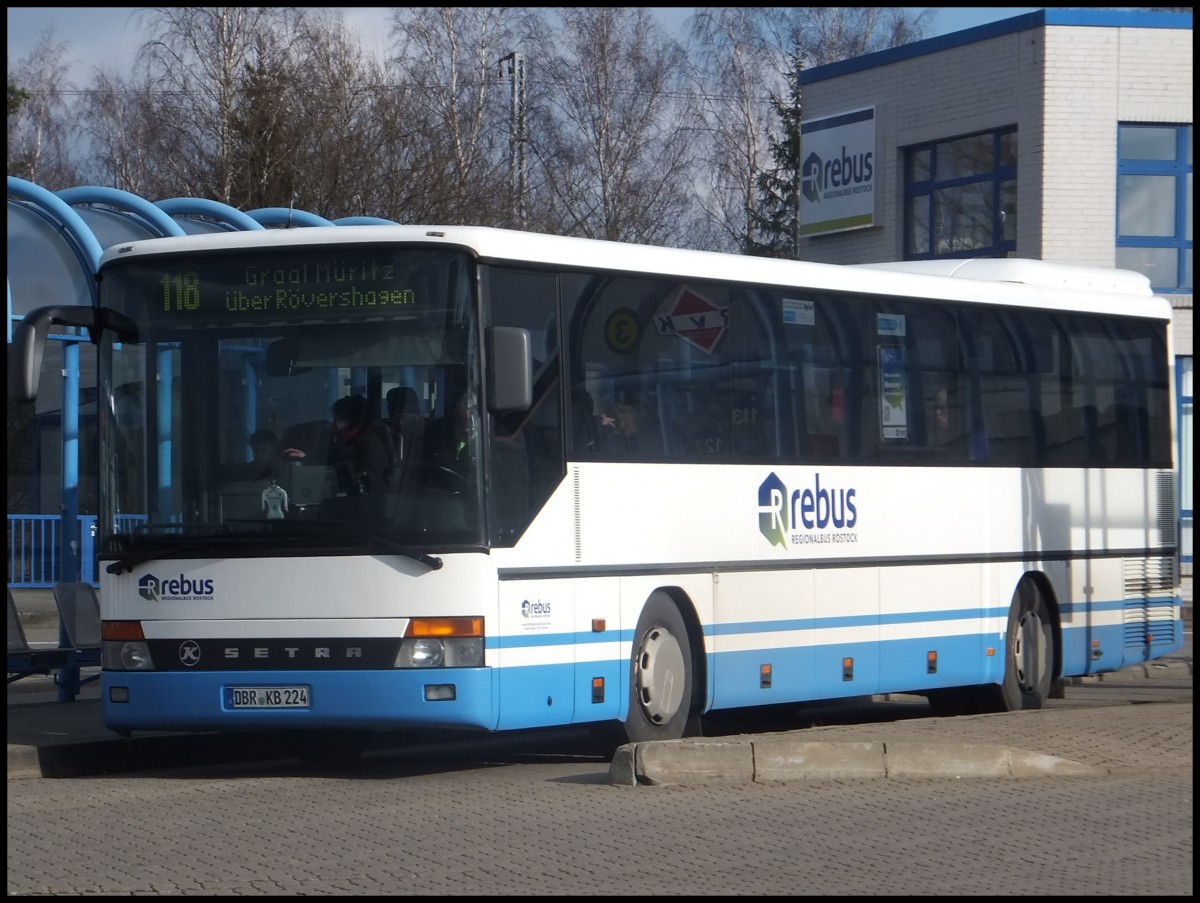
x=1029, y=654
x=660, y=674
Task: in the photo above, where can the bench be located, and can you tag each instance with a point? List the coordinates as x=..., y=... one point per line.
x=78, y=646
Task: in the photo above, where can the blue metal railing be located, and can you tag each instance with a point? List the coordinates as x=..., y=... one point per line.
x=35, y=549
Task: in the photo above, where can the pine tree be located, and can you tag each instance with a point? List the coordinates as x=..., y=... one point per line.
x=776, y=218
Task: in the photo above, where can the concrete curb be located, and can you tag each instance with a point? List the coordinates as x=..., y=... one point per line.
x=771, y=758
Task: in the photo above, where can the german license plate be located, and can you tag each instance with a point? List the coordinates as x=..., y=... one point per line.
x=266, y=697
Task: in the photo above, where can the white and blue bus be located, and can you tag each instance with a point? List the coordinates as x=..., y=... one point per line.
x=613, y=485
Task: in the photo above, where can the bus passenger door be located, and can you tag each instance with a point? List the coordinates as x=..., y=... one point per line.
x=535, y=658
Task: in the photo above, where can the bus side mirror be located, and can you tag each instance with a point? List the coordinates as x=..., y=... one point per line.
x=510, y=369
x=29, y=342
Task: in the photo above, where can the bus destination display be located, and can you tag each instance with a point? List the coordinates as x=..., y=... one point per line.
x=257, y=289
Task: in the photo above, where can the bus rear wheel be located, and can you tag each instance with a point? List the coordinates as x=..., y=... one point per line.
x=660, y=674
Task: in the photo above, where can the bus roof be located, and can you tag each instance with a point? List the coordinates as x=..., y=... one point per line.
x=1028, y=272
x=1013, y=282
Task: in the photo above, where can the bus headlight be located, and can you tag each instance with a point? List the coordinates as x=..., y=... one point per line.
x=126, y=656
x=451, y=652
x=422, y=653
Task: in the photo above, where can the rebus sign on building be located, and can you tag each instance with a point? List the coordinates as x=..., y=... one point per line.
x=837, y=175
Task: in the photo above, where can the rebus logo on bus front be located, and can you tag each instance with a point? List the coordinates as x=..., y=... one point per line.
x=811, y=510
x=178, y=588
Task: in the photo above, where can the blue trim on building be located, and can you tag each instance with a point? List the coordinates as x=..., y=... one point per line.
x=1087, y=18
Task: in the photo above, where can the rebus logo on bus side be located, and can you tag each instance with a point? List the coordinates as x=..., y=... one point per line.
x=816, y=509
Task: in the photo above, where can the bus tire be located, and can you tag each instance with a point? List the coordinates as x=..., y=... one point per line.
x=1028, y=654
x=660, y=675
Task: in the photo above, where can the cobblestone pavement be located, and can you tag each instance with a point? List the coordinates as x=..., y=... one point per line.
x=558, y=827
x=551, y=823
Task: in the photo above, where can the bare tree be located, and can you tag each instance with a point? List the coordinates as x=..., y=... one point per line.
x=447, y=58
x=607, y=95
x=39, y=130
x=626, y=135
x=830, y=34
x=747, y=56
x=195, y=70
x=118, y=126
x=738, y=70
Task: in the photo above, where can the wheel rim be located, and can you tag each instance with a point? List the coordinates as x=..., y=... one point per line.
x=1029, y=652
x=660, y=675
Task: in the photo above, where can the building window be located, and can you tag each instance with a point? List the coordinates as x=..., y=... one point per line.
x=960, y=197
x=1154, y=204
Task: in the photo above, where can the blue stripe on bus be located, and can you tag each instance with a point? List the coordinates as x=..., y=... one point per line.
x=562, y=693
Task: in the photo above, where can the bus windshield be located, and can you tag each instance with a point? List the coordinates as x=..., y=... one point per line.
x=322, y=401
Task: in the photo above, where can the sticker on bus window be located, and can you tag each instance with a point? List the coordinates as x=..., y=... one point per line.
x=798, y=312
x=893, y=393
x=692, y=317
x=890, y=324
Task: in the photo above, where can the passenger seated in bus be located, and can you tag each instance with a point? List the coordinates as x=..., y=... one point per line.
x=264, y=446
x=405, y=421
x=583, y=413
x=622, y=432
x=452, y=442
x=946, y=426
x=359, y=455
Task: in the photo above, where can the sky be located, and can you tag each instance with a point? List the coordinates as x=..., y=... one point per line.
x=106, y=37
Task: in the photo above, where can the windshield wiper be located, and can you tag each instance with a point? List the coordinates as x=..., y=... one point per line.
x=430, y=561
x=127, y=563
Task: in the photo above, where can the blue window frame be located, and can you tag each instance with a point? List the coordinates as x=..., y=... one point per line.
x=960, y=197
x=1154, y=203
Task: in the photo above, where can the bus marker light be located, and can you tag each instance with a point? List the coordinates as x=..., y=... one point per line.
x=931, y=661
x=764, y=676
x=118, y=694
x=126, y=631
x=990, y=651
x=598, y=625
x=597, y=689
x=440, y=692
x=430, y=627
x=847, y=669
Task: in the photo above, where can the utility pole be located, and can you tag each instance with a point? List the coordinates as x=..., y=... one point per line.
x=516, y=141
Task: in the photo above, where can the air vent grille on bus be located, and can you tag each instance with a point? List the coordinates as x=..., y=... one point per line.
x=1167, y=515
x=1146, y=577
x=1147, y=620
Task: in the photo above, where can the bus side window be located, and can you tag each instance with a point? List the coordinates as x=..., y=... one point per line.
x=698, y=427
